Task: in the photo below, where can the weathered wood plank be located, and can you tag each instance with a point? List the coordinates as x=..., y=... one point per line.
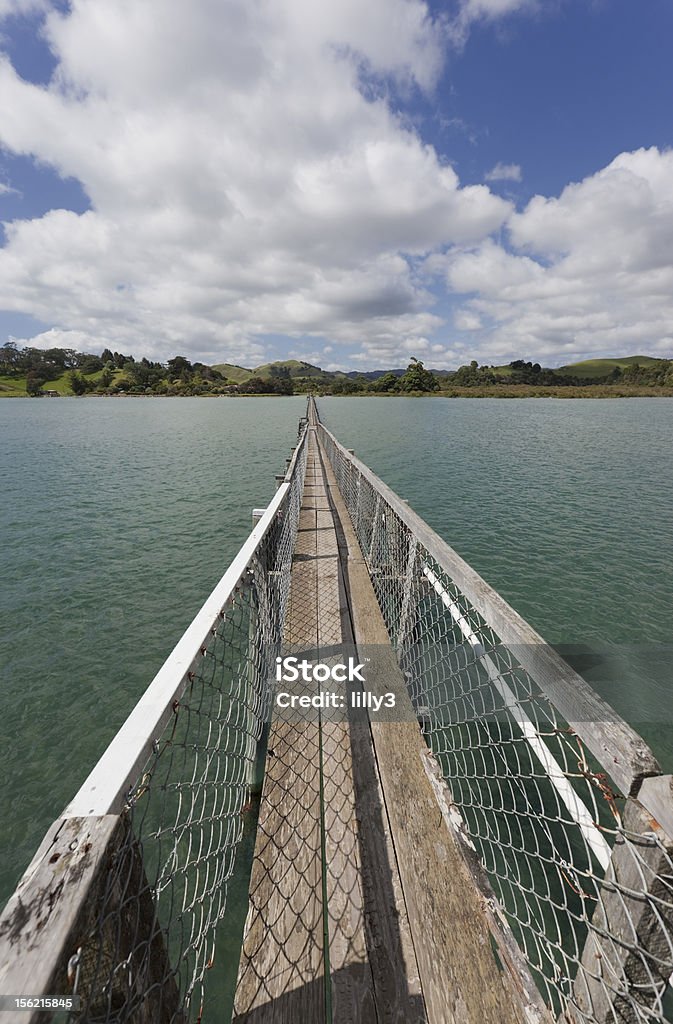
x=392, y=960
x=352, y=986
x=656, y=794
x=281, y=972
x=56, y=911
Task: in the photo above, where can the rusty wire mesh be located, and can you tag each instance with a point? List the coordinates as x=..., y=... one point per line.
x=584, y=877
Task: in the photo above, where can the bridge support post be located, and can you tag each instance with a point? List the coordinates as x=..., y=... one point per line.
x=55, y=940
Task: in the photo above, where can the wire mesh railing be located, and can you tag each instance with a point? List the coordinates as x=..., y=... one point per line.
x=122, y=904
x=548, y=780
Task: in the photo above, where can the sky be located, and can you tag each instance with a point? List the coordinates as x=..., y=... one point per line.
x=343, y=182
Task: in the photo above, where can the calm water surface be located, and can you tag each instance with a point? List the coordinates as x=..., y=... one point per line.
x=118, y=517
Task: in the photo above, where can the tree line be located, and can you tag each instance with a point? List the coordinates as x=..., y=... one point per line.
x=118, y=373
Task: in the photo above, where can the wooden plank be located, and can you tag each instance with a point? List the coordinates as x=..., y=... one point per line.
x=281, y=972
x=656, y=794
x=453, y=935
x=281, y=976
x=352, y=986
x=619, y=749
x=628, y=955
x=392, y=959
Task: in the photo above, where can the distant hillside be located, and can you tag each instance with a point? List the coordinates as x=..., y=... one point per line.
x=586, y=369
x=295, y=367
x=589, y=368
x=233, y=372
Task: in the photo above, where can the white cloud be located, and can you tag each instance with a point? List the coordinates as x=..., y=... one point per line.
x=504, y=172
x=242, y=186
x=588, y=272
x=465, y=320
x=10, y=8
x=472, y=11
x=240, y=182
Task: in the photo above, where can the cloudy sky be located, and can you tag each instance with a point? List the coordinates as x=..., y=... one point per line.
x=346, y=182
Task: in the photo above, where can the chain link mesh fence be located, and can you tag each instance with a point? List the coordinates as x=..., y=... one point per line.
x=584, y=876
x=151, y=942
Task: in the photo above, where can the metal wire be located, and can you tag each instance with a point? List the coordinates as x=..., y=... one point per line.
x=151, y=944
x=585, y=882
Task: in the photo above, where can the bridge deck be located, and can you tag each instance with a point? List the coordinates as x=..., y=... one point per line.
x=327, y=922
x=363, y=908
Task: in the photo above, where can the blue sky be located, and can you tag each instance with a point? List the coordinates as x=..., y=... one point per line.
x=349, y=184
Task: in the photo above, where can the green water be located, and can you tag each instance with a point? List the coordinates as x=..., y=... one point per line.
x=117, y=518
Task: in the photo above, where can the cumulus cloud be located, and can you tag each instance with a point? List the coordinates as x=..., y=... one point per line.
x=504, y=172
x=590, y=271
x=241, y=184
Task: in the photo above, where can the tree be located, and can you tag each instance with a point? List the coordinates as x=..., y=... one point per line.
x=90, y=364
x=9, y=358
x=417, y=378
x=348, y=385
x=387, y=383
x=143, y=374
x=78, y=384
x=34, y=382
x=281, y=385
x=179, y=366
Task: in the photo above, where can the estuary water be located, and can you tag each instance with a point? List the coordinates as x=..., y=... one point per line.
x=118, y=517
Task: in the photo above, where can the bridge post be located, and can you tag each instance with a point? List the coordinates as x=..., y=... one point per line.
x=54, y=939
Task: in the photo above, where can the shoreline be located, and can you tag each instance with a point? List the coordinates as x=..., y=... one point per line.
x=602, y=391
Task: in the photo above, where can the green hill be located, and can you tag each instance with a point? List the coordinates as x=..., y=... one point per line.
x=295, y=367
x=588, y=368
x=233, y=372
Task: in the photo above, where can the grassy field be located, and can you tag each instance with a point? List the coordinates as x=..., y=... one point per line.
x=590, y=368
x=16, y=386
x=232, y=372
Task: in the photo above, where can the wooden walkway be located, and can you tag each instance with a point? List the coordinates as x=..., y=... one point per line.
x=350, y=892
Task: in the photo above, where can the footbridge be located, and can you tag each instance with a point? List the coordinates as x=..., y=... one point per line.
x=361, y=789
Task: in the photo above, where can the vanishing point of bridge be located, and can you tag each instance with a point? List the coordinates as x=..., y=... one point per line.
x=439, y=819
